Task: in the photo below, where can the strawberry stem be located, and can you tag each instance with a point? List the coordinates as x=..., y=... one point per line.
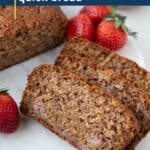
x=120, y=22
x=4, y=90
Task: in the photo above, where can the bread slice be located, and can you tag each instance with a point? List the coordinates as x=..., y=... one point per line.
x=82, y=114
x=130, y=70
x=36, y=29
x=104, y=57
x=113, y=83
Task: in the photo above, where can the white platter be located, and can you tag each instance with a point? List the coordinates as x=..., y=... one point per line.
x=31, y=135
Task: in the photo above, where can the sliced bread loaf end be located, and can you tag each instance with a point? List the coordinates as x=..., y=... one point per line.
x=36, y=30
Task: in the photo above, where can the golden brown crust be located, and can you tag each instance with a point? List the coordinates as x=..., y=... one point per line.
x=61, y=99
x=28, y=18
x=36, y=29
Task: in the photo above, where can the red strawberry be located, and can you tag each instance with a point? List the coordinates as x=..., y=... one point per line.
x=9, y=114
x=80, y=26
x=109, y=36
x=112, y=32
x=96, y=13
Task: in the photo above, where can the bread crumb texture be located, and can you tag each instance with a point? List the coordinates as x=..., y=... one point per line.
x=113, y=83
x=82, y=114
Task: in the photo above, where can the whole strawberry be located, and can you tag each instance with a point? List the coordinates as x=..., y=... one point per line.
x=9, y=114
x=109, y=36
x=112, y=32
x=80, y=26
x=96, y=13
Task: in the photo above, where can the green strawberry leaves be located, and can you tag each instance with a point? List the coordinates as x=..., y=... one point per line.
x=120, y=21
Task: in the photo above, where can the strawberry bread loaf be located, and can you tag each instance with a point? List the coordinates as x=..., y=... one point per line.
x=35, y=30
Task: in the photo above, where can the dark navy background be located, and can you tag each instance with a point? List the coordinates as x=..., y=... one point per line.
x=84, y=2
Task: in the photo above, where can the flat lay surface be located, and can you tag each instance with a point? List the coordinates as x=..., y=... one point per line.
x=138, y=19
x=33, y=136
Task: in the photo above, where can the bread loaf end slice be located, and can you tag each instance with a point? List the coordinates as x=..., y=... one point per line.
x=83, y=114
x=37, y=29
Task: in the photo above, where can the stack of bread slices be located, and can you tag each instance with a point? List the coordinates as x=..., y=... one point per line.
x=92, y=97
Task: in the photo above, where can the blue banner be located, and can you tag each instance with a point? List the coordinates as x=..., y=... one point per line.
x=75, y=2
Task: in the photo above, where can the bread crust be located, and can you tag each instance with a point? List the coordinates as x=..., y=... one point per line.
x=36, y=29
